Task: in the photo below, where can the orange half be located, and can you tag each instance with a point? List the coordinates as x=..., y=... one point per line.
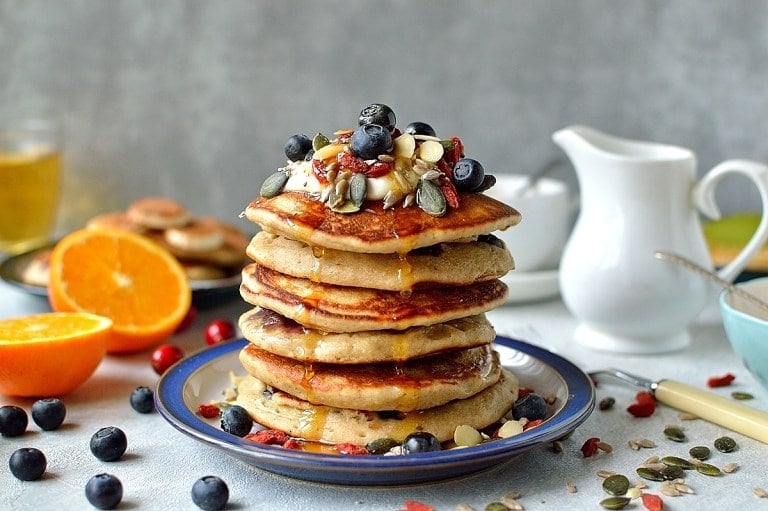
x=133, y=281
x=50, y=354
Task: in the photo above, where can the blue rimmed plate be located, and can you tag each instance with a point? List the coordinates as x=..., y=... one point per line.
x=201, y=377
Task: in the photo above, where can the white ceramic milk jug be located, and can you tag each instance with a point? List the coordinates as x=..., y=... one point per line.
x=637, y=198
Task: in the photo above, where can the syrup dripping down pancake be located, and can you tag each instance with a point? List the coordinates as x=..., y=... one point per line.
x=275, y=333
x=349, y=309
x=302, y=217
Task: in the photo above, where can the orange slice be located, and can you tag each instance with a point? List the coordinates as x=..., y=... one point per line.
x=133, y=281
x=50, y=354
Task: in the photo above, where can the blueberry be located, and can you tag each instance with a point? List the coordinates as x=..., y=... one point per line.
x=491, y=240
x=420, y=128
x=27, y=464
x=370, y=140
x=109, y=444
x=48, y=413
x=468, y=175
x=421, y=441
x=13, y=420
x=236, y=420
x=142, y=400
x=378, y=114
x=210, y=493
x=531, y=406
x=104, y=491
x=297, y=147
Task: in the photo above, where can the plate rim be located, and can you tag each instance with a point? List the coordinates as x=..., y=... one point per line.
x=169, y=400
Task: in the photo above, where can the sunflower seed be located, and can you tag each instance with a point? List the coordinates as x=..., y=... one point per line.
x=605, y=473
x=730, y=468
x=570, y=487
x=760, y=493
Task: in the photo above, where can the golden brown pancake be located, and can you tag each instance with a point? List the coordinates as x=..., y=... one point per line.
x=413, y=385
x=350, y=309
x=446, y=264
x=302, y=217
x=273, y=332
x=301, y=419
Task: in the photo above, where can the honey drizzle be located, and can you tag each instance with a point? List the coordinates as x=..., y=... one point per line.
x=312, y=421
x=315, y=272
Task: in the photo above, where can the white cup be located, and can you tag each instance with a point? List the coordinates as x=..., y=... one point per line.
x=547, y=207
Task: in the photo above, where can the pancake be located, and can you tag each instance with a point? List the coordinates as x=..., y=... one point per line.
x=413, y=385
x=349, y=309
x=270, y=331
x=445, y=264
x=302, y=217
x=301, y=419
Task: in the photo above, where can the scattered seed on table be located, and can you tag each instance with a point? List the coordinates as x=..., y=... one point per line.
x=674, y=433
x=687, y=416
x=730, y=468
x=570, y=487
x=604, y=446
x=496, y=506
x=675, y=461
x=650, y=474
x=653, y=460
x=684, y=488
x=707, y=469
x=670, y=473
x=465, y=507
x=742, y=396
x=700, y=452
x=606, y=403
x=725, y=444
x=616, y=485
x=615, y=502
x=760, y=493
x=605, y=473
x=557, y=447
x=668, y=488
x=633, y=493
x=512, y=504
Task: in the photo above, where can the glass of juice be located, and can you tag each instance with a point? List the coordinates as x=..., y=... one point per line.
x=30, y=176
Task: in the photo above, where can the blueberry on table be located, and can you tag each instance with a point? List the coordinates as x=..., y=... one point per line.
x=420, y=128
x=378, y=114
x=468, y=175
x=531, y=406
x=421, y=441
x=13, y=421
x=210, y=493
x=297, y=147
x=48, y=413
x=369, y=141
x=109, y=444
x=142, y=399
x=27, y=464
x=104, y=491
x=236, y=420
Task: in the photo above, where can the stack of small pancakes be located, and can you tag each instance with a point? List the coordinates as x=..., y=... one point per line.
x=371, y=325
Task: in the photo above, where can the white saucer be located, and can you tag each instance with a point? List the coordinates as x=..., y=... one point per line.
x=532, y=286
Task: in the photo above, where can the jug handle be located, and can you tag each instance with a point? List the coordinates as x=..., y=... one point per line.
x=704, y=198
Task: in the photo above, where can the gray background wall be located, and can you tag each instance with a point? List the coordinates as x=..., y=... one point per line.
x=194, y=99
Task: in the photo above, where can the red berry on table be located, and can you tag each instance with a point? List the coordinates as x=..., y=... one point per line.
x=219, y=330
x=165, y=356
x=188, y=319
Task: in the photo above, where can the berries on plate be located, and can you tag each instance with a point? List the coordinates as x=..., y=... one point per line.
x=421, y=441
x=142, y=399
x=27, y=464
x=370, y=140
x=210, y=493
x=236, y=420
x=468, y=175
x=379, y=114
x=109, y=444
x=48, y=413
x=297, y=147
x=219, y=330
x=164, y=356
x=531, y=406
x=104, y=491
x=13, y=421
x=420, y=128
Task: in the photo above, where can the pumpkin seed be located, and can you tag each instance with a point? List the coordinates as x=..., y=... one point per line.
x=496, y=506
x=616, y=485
x=742, y=396
x=674, y=433
x=430, y=198
x=671, y=473
x=380, y=445
x=319, y=141
x=674, y=461
x=606, y=403
x=650, y=474
x=273, y=185
x=707, y=469
x=358, y=189
x=700, y=452
x=615, y=502
x=725, y=444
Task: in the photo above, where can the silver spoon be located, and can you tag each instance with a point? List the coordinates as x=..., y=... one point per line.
x=690, y=265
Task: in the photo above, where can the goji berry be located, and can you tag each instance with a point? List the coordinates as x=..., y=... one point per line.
x=415, y=505
x=318, y=169
x=352, y=163
x=449, y=191
x=378, y=169
x=454, y=153
x=720, y=381
x=292, y=444
x=208, y=411
x=268, y=437
x=347, y=448
x=644, y=397
x=652, y=502
x=524, y=391
x=641, y=409
x=590, y=448
x=532, y=424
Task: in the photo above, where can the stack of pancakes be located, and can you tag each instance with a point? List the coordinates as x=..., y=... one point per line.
x=371, y=325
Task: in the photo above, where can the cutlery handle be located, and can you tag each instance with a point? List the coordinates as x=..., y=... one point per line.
x=725, y=412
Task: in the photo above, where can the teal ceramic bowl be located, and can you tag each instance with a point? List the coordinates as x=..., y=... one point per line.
x=746, y=326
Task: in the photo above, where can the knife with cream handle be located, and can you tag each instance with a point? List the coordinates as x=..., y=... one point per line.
x=731, y=414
